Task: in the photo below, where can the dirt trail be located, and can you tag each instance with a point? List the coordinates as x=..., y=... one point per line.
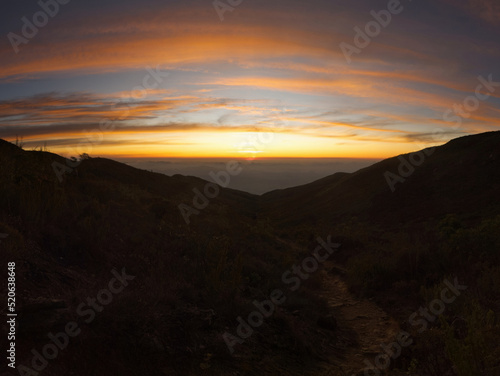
x=368, y=324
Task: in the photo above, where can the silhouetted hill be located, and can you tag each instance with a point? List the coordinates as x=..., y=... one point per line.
x=193, y=282
x=462, y=177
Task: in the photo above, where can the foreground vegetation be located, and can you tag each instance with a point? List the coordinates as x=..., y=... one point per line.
x=193, y=282
x=405, y=272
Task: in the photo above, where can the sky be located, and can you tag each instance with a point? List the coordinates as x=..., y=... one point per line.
x=260, y=79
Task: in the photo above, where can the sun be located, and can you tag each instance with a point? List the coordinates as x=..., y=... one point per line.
x=250, y=154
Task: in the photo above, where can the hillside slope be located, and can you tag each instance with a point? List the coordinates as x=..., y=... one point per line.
x=194, y=281
x=462, y=176
x=189, y=282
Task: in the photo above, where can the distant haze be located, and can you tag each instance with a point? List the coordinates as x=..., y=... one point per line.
x=258, y=176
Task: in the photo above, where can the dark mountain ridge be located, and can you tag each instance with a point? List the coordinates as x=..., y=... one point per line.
x=404, y=225
x=462, y=176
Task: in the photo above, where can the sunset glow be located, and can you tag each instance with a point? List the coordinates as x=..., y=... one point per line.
x=173, y=80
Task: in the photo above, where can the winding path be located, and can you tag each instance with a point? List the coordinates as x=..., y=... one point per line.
x=367, y=324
